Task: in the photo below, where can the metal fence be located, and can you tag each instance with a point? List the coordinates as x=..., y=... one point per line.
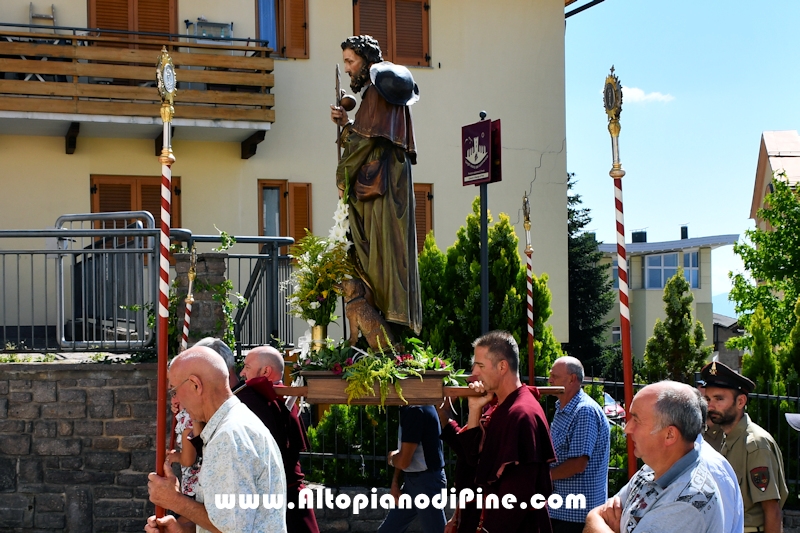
x=90, y=285
x=84, y=286
x=349, y=445
x=264, y=318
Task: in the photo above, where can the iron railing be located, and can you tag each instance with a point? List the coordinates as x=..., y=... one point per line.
x=264, y=318
x=88, y=289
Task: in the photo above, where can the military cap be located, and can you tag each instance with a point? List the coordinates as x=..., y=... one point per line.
x=394, y=82
x=794, y=420
x=716, y=374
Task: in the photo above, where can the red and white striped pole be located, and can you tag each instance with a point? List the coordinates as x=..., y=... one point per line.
x=165, y=75
x=612, y=99
x=526, y=209
x=187, y=314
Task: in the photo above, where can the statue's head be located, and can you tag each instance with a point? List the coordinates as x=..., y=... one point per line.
x=368, y=49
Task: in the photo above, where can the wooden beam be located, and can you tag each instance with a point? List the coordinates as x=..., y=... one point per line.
x=250, y=144
x=72, y=137
x=160, y=140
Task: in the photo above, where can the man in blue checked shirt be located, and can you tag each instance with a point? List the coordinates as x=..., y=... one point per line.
x=581, y=438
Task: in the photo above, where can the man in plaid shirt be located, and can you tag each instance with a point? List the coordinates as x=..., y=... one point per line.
x=581, y=438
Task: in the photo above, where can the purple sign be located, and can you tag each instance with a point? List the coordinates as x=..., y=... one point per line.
x=476, y=153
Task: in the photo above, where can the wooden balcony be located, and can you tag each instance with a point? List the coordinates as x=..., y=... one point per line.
x=95, y=76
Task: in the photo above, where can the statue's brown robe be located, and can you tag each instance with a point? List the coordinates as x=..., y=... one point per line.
x=376, y=166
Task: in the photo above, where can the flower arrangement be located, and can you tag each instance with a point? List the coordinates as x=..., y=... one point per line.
x=362, y=370
x=322, y=264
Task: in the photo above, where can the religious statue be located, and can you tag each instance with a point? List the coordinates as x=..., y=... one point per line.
x=378, y=151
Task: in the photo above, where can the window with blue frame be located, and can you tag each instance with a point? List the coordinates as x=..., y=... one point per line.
x=691, y=268
x=659, y=268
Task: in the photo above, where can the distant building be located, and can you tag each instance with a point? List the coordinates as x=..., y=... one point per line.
x=650, y=265
x=779, y=152
x=726, y=328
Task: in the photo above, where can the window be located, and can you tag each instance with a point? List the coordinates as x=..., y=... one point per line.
x=284, y=208
x=615, y=276
x=659, y=268
x=159, y=16
x=135, y=193
x=691, y=268
x=284, y=25
x=616, y=334
x=400, y=26
x=423, y=208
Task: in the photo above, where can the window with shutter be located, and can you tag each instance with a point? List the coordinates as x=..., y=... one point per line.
x=400, y=26
x=158, y=16
x=284, y=23
x=284, y=209
x=423, y=211
x=134, y=193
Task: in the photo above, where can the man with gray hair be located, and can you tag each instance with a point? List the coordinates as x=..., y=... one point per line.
x=582, y=440
x=674, y=491
x=219, y=346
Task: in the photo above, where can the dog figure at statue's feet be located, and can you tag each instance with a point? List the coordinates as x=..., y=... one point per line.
x=361, y=316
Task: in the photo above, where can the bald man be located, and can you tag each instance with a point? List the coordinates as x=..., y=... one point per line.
x=263, y=361
x=240, y=456
x=263, y=368
x=675, y=491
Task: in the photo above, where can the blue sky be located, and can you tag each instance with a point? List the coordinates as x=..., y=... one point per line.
x=701, y=81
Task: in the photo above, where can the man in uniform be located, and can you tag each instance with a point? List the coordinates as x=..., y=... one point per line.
x=751, y=450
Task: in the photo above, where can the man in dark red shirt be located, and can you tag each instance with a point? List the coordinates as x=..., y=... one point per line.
x=510, y=450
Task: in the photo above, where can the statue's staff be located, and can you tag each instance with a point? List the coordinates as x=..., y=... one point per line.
x=343, y=101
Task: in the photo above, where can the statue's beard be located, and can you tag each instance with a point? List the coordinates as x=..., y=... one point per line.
x=360, y=80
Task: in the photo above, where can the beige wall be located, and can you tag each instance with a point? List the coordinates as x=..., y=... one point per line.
x=485, y=56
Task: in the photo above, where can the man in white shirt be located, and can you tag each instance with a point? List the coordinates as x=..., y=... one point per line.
x=240, y=457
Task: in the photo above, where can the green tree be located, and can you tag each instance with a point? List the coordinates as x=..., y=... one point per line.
x=676, y=346
x=451, y=294
x=761, y=364
x=590, y=294
x=790, y=351
x=772, y=266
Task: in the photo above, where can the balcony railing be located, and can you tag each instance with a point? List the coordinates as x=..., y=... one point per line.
x=113, y=74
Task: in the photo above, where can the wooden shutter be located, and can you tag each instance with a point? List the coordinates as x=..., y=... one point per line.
x=134, y=193
x=156, y=16
x=110, y=14
x=423, y=211
x=299, y=210
x=373, y=17
x=293, y=16
x=411, y=32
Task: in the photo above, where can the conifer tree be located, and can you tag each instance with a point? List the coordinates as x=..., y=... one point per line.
x=590, y=294
x=761, y=364
x=676, y=347
x=451, y=294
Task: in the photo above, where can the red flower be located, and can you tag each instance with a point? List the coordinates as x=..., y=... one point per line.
x=349, y=361
x=337, y=369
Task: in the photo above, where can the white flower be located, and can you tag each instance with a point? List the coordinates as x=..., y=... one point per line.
x=314, y=305
x=311, y=322
x=338, y=234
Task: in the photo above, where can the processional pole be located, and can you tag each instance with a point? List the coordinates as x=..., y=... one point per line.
x=165, y=77
x=612, y=100
x=526, y=210
x=187, y=315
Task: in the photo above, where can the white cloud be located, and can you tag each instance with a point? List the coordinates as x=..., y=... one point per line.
x=634, y=94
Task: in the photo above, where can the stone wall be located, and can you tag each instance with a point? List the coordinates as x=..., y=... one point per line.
x=76, y=444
